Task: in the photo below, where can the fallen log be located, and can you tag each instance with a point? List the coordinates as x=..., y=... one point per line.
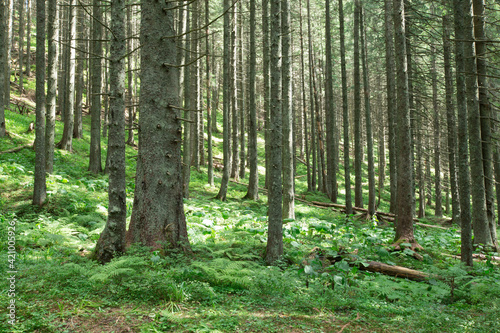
x=396, y=271
x=14, y=150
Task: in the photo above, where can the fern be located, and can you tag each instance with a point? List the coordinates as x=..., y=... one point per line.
x=119, y=269
x=227, y=273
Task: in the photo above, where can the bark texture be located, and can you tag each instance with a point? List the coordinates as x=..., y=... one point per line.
x=112, y=239
x=158, y=211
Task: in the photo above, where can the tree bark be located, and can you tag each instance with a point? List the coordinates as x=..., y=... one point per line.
x=40, y=187
x=4, y=76
x=112, y=239
x=331, y=123
x=345, y=108
x=130, y=106
x=188, y=105
x=358, y=150
x=22, y=4
x=209, y=70
x=368, y=118
x=485, y=116
x=28, y=37
x=304, y=108
x=69, y=91
x=158, y=218
x=479, y=218
x=463, y=144
x=287, y=114
x=95, y=164
x=404, y=209
x=391, y=101
x=438, y=211
x=9, y=12
x=78, y=126
x=274, y=249
x=53, y=55
x=451, y=121
x=225, y=100
x=253, y=182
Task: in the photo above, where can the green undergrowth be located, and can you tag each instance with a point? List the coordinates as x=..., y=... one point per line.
x=224, y=285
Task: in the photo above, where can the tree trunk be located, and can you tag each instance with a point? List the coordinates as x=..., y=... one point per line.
x=52, y=37
x=485, y=116
x=130, y=106
x=266, y=84
x=95, y=164
x=368, y=119
x=274, y=249
x=345, y=108
x=438, y=211
x=331, y=124
x=195, y=86
x=8, y=46
x=479, y=218
x=451, y=121
x=225, y=100
x=78, y=127
x=28, y=38
x=253, y=182
x=235, y=158
x=69, y=91
x=40, y=188
x=391, y=101
x=158, y=212
x=112, y=239
x=188, y=105
x=404, y=211
x=242, y=97
x=304, y=109
x=311, y=100
x=463, y=144
x=22, y=3
x=287, y=114
x=210, y=170
x=4, y=76
x=358, y=150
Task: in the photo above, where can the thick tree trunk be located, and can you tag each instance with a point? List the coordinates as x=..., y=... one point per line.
x=52, y=37
x=463, y=144
x=485, y=115
x=347, y=168
x=242, y=98
x=95, y=164
x=40, y=188
x=404, y=209
x=479, y=218
x=158, y=212
x=112, y=239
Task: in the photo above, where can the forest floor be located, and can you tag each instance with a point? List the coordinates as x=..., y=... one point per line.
x=224, y=286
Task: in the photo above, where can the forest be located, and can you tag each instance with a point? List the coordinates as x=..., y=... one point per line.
x=249, y=166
